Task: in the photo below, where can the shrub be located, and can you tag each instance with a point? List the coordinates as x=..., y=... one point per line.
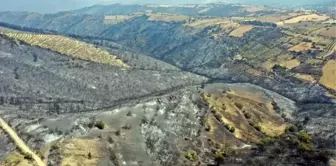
x=192, y=156
x=219, y=157
x=232, y=129
x=305, y=147
x=100, y=125
x=129, y=113
x=144, y=120
x=238, y=105
x=227, y=126
x=89, y=155
x=55, y=146
x=27, y=156
x=207, y=128
x=255, y=126
x=278, y=68
x=266, y=140
x=291, y=128
x=117, y=133
x=110, y=140
x=127, y=127
x=247, y=115
x=304, y=137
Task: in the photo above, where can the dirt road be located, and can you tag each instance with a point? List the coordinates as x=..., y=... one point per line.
x=19, y=142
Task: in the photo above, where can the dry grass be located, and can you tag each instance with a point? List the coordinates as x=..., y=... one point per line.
x=274, y=18
x=306, y=17
x=115, y=19
x=290, y=64
x=75, y=152
x=330, y=95
x=165, y=17
x=284, y=60
x=303, y=46
x=328, y=32
x=202, y=23
x=305, y=77
x=226, y=25
x=16, y=159
x=68, y=46
x=20, y=144
x=328, y=78
x=240, y=31
x=240, y=109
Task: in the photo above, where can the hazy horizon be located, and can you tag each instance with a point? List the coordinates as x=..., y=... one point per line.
x=52, y=6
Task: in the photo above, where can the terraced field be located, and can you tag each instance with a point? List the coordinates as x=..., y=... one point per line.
x=68, y=46
x=240, y=31
x=304, y=18
x=328, y=78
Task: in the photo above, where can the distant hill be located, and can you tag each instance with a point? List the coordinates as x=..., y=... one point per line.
x=289, y=3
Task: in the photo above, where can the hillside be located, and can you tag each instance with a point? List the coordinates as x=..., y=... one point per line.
x=214, y=84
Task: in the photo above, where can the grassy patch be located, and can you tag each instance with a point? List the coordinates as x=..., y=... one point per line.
x=328, y=78
x=68, y=46
x=240, y=31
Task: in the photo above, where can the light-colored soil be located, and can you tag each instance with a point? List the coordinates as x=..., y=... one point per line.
x=328, y=78
x=16, y=159
x=240, y=31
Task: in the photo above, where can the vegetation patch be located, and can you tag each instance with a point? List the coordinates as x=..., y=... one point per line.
x=305, y=77
x=301, y=47
x=83, y=152
x=328, y=78
x=16, y=159
x=192, y=156
x=100, y=124
x=166, y=17
x=68, y=46
x=246, y=119
x=306, y=18
x=240, y=31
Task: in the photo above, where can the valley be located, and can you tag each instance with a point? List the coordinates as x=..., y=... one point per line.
x=142, y=85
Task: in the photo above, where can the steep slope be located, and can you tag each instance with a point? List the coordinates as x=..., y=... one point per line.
x=198, y=51
x=169, y=129
x=219, y=9
x=155, y=112
x=35, y=78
